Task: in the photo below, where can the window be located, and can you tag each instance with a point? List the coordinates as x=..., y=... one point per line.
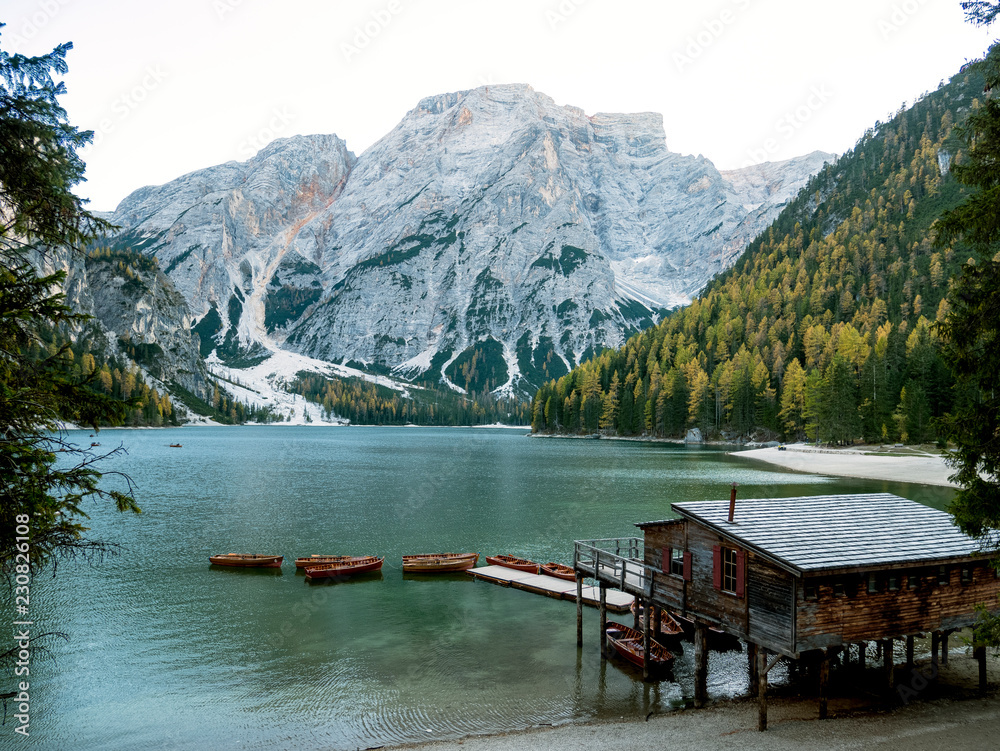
x=677, y=562
x=966, y=575
x=838, y=589
x=912, y=580
x=872, y=584
x=943, y=577
x=729, y=570
x=893, y=582
x=811, y=592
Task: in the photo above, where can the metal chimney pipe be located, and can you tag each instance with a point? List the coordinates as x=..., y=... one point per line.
x=732, y=502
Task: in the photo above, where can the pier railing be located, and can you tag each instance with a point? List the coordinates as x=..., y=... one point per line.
x=615, y=561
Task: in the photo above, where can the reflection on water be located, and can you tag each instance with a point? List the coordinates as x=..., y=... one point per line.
x=167, y=651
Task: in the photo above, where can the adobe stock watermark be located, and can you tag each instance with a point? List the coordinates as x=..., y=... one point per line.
x=367, y=32
x=901, y=14
x=559, y=14
x=919, y=680
x=711, y=30
x=223, y=8
x=126, y=103
x=280, y=119
x=789, y=124
x=32, y=24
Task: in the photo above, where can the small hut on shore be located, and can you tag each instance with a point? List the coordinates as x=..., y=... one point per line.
x=801, y=578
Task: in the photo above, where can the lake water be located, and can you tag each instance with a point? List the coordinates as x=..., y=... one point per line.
x=166, y=652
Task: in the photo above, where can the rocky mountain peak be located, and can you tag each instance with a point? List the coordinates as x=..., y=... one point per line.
x=491, y=232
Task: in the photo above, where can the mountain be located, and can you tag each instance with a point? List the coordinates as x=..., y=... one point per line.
x=824, y=326
x=492, y=239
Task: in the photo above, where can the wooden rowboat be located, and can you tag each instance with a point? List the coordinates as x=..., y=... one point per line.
x=715, y=638
x=346, y=568
x=315, y=560
x=670, y=627
x=433, y=563
x=247, y=560
x=627, y=642
x=558, y=570
x=509, y=561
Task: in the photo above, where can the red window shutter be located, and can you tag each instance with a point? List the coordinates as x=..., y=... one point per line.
x=717, y=567
x=741, y=559
x=666, y=560
x=687, y=566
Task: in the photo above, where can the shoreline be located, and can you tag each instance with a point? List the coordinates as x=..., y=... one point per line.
x=949, y=715
x=922, y=470
x=858, y=463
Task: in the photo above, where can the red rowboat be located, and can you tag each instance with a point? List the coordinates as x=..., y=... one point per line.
x=627, y=642
x=558, y=570
x=350, y=567
x=670, y=627
x=247, y=560
x=433, y=563
x=509, y=561
x=315, y=560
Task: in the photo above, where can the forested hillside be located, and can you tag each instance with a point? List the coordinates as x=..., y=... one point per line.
x=824, y=327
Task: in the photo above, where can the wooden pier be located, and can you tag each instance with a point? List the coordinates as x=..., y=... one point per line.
x=618, y=602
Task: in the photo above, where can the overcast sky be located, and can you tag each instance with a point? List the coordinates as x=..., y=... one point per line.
x=170, y=87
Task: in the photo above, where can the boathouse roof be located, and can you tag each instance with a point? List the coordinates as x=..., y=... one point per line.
x=829, y=533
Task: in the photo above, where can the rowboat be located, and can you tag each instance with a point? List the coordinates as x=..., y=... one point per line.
x=627, y=642
x=558, y=570
x=715, y=638
x=315, y=560
x=670, y=627
x=509, y=561
x=345, y=568
x=432, y=563
x=247, y=560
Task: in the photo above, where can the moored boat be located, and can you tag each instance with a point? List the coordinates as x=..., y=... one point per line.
x=315, y=560
x=627, y=642
x=247, y=560
x=432, y=563
x=670, y=627
x=342, y=569
x=716, y=639
x=510, y=561
x=558, y=570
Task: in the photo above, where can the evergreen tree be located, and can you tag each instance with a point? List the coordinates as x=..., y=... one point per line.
x=971, y=328
x=38, y=168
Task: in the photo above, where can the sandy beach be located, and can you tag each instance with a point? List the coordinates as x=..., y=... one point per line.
x=950, y=716
x=924, y=469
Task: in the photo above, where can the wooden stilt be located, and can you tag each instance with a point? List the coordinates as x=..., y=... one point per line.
x=752, y=665
x=636, y=621
x=604, y=619
x=700, y=664
x=980, y=653
x=761, y=689
x=824, y=682
x=579, y=609
x=886, y=647
x=935, y=640
x=656, y=623
x=909, y=652
x=944, y=647
x=646, y=612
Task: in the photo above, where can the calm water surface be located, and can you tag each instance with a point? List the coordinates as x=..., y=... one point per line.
x=167, y=652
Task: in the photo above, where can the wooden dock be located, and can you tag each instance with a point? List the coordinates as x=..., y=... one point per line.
x=618, y=602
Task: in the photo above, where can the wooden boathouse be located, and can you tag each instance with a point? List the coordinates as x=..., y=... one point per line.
x=799, y=578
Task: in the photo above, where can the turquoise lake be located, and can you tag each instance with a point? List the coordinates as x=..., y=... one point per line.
x=166, y=652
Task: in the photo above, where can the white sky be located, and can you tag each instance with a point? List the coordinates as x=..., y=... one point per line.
x=184, y=84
